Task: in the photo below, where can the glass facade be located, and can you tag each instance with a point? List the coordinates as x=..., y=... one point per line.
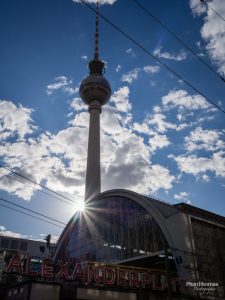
x=5, y=243
x=112, y=230
x=14, y=244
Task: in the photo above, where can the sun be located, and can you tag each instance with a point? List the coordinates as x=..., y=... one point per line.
x=80, y=205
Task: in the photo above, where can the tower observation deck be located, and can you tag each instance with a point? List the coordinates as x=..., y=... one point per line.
x=95, y=91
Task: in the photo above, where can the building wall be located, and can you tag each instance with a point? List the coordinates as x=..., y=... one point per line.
x=95, y=294
x=48, y=291
x=44, y=291
x=209, y=242
x=22, y=245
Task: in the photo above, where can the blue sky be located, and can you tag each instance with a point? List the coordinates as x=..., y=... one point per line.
x=159, y=137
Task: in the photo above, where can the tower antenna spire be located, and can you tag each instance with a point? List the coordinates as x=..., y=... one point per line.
x=96, y=54
x=96, y=66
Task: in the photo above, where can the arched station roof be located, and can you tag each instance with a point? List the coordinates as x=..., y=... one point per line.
x=172, y=221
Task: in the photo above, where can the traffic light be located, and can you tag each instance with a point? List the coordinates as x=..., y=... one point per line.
x=48, y=240
x=179, y=259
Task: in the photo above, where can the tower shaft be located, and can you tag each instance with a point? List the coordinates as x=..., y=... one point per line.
x=93, y=172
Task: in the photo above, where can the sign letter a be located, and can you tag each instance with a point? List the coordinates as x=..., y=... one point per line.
x=15, y=265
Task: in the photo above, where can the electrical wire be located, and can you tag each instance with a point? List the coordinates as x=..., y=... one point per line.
x=153, y=56
x=178, y=39
x=34, y=182
x=84, y=233
x=45, y=216
x=210, y=7
x=45, y=193
x=30, y=210
x=22, y=212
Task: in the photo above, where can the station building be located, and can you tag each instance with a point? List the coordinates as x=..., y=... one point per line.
x=125, y=228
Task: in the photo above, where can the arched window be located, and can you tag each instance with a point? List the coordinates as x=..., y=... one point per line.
x=111, y=230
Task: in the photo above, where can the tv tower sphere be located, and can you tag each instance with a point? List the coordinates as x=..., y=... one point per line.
x=95, y=86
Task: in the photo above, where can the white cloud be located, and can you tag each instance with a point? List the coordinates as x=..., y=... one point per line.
x=9, y=233
x=151, y=69
x=192, y=164
x=99, y=1
x=131, y=75
x=182, y=100
x=15, y=120
x=84, y=57
x=205, y=178
x=77, y=104
x=120, y=99
x=183, y=196
x=71, y=90
x=143, y=128
x=62, y=83
x=208, y=140
x=182, y=55
x=13, y=234
x=157, y=109
x=197, y=7
x=212, y=30
x=158, y=141
x=59, y=160
x=161, y=125
x=131, y=168
x=156, y=123
x=118, y=68
x=131, y=52
x=110, y=121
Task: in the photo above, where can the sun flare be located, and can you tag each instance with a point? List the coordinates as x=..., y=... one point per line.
x=80, y=205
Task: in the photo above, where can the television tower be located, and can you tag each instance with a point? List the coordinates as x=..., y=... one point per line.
x=95, y=91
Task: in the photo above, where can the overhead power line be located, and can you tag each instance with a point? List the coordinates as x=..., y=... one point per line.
x=42, y=186
x=154, y=57
x=178, y=39
x=210, y=7
x=86, y=234
x=30, y=210
x=42, y=215
x=39, y=190
x=22, y=212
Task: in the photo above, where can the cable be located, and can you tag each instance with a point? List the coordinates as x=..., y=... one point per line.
x=154, y=57
x=44, y=187
x=92, y=237
x=218, y=15
x=42, y=215
x=179, y=39
x=30, y=215
x=50, y=195
x=30, y=210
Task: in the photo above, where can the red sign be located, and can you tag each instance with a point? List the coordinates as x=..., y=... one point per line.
x=97, y=274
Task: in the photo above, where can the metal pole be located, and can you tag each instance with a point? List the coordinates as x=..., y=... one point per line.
x=169, y=286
